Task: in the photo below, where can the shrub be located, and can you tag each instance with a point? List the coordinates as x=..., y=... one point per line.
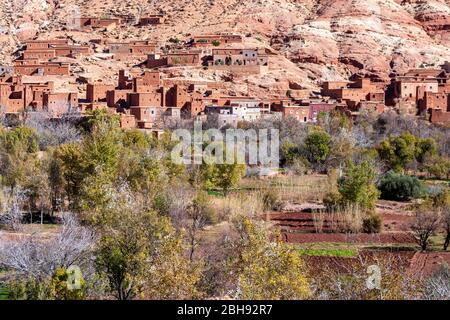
x=349, y=219
x=297, y=167
x=394, y=186
x=215, y=43
x=438, y=167
x=202, y=209
x=357, y=186
x=372, y=223
x=162, y=203
x=316, y=147
x=271, y=200
x=332, y=200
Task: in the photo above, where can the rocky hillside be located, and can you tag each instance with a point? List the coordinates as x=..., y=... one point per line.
x=315, y=39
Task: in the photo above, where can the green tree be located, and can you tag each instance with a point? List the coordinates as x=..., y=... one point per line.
x=425, y=148
x=142, y=256
x=438, y=167
x=223, y=176
x=69, y=161
x=289, y=152
x=101, y=149
x=268, y=270
x=394, y=186
x=398, y=151
x=18, y=149
x=101, y=118
x=20, y=138
x=316, y=147
x=136, y=139
x=357, y=186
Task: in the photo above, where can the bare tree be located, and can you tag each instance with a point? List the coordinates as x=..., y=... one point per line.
x=366, y=277
x=52, y=132
x=445, y=219
x=11, y=213
x=38, y=258
x=198, y=221
x=437, y=286
x=424, y=225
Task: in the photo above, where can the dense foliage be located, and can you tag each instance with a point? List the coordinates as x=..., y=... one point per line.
x=394, y=186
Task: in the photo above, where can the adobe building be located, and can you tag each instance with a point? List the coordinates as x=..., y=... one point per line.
x=432, y=100
x=132, y=49
x=238, y=60
x=152, y=100
x=83, y=107
x=45, y=44
x=409, y=88
x=93, y=22
x=34, y=94
x=39, y=54
x=422, y=90
x=125, y=81
x=127, y=121
x=173, y=59
x=143, y=90
x=147, y=81
x=11, y=94
x=234, y=113
x=300, y=113
x=439, y=116
x=45, y=50
x=303, y=111
x=146, y=117
x=18, y=96
x=230, y=56
x=117, y=98
x=315, y=108
x=42, y=69
x=136, y=99
x=96, y=92
x=363, y=89
x=371, y=107
x=59, y=102
x=215, y=39
x=194, y=107
x=151, y=20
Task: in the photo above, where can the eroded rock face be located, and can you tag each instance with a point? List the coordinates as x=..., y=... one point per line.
x=21, y=20
x=315, y=40
x=369, y=37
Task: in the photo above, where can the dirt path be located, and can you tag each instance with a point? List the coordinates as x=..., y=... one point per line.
x=423, y=264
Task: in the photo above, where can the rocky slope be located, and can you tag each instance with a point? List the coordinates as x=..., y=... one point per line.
x=316, y=39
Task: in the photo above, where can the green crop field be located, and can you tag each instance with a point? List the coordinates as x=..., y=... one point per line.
x=346, y=253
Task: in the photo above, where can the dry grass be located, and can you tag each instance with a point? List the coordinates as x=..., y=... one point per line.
x=346, y=219
x=238, y=204
x=293, y=189
x=319, y=220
